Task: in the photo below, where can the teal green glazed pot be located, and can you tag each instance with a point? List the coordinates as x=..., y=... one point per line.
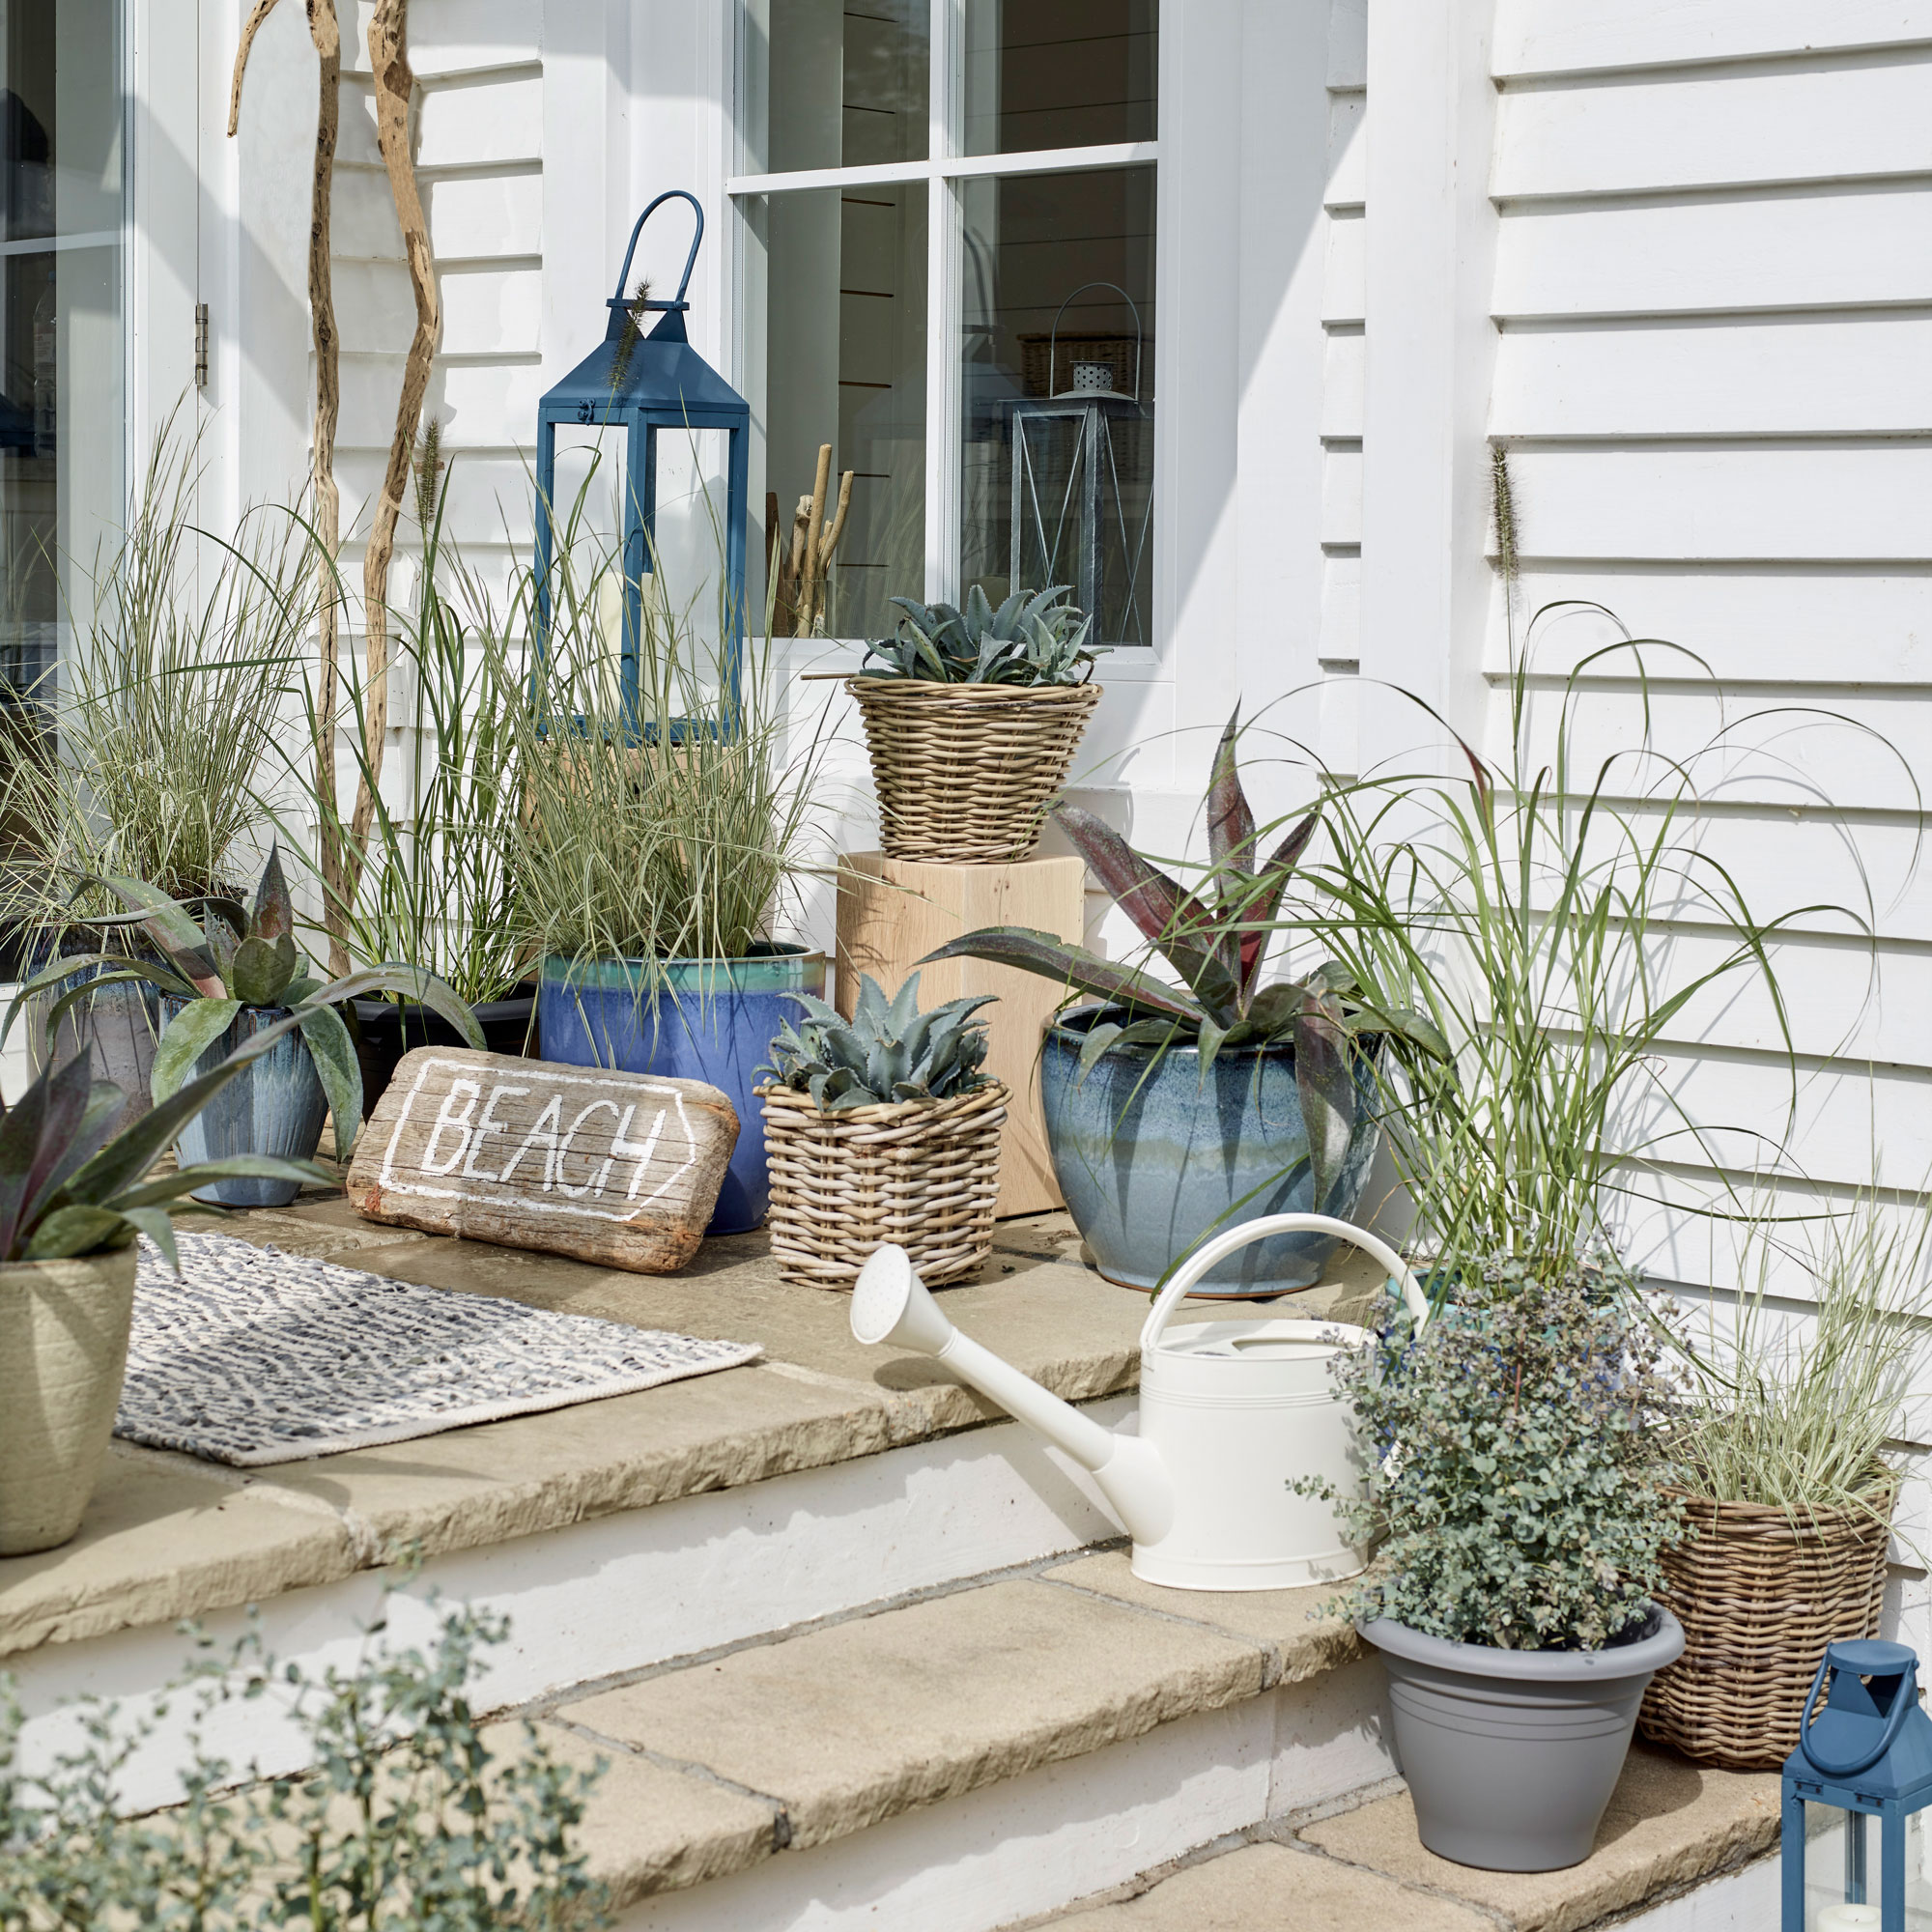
x=1152, y=1160
x=695, y=1019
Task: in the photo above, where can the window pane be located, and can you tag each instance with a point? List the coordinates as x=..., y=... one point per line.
x=1058, y=73
x=843, y=362
x=835, y=83
x=1057, y=478
x=62, y=416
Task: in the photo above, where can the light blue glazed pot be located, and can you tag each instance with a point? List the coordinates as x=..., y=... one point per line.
x=1152, y=1161
x=706, y=1019
x=275, y=1105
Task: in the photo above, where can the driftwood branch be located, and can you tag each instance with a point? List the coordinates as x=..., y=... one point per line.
x=804, y=575
x=326, y=32
x=395, y=87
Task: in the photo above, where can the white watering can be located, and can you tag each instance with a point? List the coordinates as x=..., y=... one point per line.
x=1232, y=1412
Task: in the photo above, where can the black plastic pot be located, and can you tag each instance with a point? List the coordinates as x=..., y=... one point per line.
x=385, y=1030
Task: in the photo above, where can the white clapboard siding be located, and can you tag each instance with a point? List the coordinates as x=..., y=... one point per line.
x=1750, y=624
x=1867, y=374
x=1341, y=496
x=1347, y=148
x=1824, y=248
x=1535, y=37
x=486, y=493
x=1348, y=43
x=1342, y=375
x=485, y=405
x=1695, y=128
x=1345, y=279
x=454, y=37
x=1772, y=500
x=1341, y=612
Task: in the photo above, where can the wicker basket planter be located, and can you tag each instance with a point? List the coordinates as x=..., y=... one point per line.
x=1760, y=1596
x=965, y=772
x=923, y=1174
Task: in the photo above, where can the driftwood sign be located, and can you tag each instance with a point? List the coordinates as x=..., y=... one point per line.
x=621, y=1169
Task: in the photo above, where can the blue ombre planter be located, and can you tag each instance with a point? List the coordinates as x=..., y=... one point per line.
x=275, y=1107
x=1152, y=1161
x=704, y=1019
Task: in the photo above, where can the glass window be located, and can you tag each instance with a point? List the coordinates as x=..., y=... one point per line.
x=1058, y=73
x=845, y=364
x=1057, y=430
x=62, y=386
x=836, y=83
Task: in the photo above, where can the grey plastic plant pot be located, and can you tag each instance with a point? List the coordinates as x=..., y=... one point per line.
x=1512, y=1755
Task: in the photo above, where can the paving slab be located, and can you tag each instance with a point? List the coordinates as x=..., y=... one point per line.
x=1295, y=1624
x=1274, y=1889
x=160, y=1542
x=1670, y=1823
x=647, y=1829
x=862, y=1719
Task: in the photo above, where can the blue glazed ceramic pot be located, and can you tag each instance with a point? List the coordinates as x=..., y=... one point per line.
x=706, y=1019
x=275, y=1105
x=1152, y=1161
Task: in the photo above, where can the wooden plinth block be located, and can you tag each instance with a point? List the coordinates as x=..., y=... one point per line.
x=891, y=912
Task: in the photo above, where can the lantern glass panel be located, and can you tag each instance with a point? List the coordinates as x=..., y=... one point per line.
x=835, y=83
x=1058, y=430
x=839, y=358
x=1826, y=1836
x=1066, y=73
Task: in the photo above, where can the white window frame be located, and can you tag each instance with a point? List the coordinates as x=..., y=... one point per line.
x=943, y=172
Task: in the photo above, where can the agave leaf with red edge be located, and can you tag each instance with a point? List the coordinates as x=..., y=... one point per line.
x=1230, y=822
x=168, y=921
x=104, y=1103
x=1073, y=966
x=1326, y=1085
x=20, y=1144
x=1270, y=883
x=275, y=911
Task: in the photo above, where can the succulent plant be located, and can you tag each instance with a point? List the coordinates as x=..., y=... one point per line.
x=67, y=1188
x=1034, y=637
x=237, y=957
x=885, y=1052
x=1217, y=948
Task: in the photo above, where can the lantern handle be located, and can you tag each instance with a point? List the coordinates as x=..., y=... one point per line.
x=1053, y=341
x=1903, y=1703
x=690, y=261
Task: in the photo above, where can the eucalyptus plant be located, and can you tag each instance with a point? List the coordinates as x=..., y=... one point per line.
x=237, y=957
x=1034, y=637
x=1215, y=941
x=70, y=1186
x=887, y=1051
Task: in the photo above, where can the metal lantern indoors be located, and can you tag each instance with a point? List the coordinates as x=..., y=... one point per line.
x=1074, y=519
x=646, y=384
x=1870, y=1754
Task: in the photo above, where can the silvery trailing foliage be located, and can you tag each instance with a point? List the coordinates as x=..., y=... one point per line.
x=1517, y=1476
x=1034, y=637
x=885, y=1052
x=409, y=1818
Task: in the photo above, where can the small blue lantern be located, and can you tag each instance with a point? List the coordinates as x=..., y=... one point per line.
x=1869, y=1753
x=641, y=384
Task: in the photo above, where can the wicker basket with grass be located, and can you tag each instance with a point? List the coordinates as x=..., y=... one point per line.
x=1760, y=1592
x=965, y=772
x=921, y=1173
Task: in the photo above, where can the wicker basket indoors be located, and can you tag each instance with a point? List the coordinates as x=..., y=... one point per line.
x=965, y=772
x=924, y=1174
x=1760, y=1596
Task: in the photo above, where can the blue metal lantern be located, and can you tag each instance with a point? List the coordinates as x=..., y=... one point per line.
x=642, y=385
x=1869, y=1753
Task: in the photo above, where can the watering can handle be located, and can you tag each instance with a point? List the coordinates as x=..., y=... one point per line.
x=1209, y=1252
x=690, y=261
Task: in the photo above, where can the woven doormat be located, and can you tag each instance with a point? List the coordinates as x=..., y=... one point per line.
x=252, y=1356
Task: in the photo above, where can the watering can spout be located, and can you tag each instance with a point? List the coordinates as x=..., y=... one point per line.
x=891, y=1305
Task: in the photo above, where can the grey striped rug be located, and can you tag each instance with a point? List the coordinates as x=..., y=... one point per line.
x=252, y=1356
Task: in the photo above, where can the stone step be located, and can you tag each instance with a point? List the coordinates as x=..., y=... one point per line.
x=968, y=1757
x=1683, y=1846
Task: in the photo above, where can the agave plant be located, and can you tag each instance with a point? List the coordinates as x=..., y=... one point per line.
x=1217, y=948
x=1034, y=637
x=885, y=1052
x=67, y=1188
x=239, y=957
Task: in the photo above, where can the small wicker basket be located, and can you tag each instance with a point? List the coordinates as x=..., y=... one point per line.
x=1759, y=1596
x=923, y=1174
x=965, y=772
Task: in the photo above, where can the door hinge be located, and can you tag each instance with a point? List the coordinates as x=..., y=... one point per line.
x=201, y=345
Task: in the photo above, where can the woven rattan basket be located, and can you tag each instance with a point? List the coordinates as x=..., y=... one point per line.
x=1760, y=1596
x=965, y=772
x=923, y=1174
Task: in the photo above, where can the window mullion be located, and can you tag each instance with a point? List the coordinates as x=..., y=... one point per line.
x=942, y=310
